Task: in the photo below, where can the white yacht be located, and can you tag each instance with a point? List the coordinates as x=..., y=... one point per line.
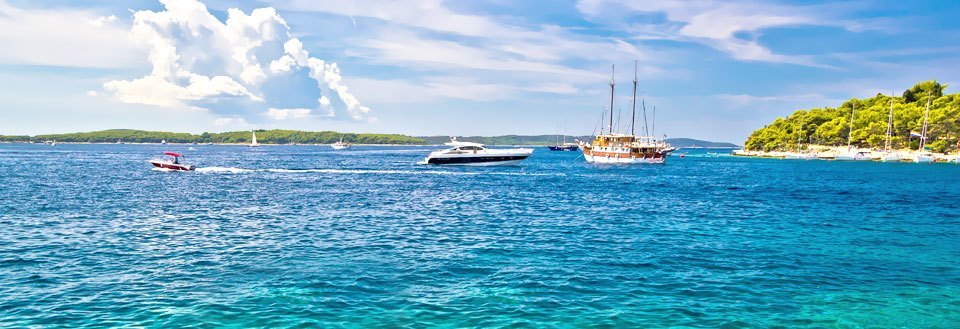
x=475, y=154
x=340, y=145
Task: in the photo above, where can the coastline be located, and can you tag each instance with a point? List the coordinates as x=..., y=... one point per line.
x=823, y=152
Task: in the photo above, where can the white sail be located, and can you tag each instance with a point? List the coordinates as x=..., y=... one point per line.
x=253, y=139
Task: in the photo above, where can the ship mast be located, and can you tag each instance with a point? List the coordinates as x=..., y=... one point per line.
x=633, y=115
x=853, y=107
x=923, y=133
x=886, y=146
x=611, y=98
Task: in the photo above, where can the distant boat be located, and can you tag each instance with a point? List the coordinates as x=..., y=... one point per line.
x=922, y=156
x=800, y=155
x=887, y=155
x=340, y=145
x=854, y=156
x=119, y=141
x=163, y=142
x=53, y=143
x=475, y=154
x=851, y=155
x=253, y=139
x=564, y=146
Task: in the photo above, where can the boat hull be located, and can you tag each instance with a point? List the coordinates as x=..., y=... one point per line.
x=922, y=159
x=607, y=158
x=172, y=166
x=483, y=160
x=563, y=147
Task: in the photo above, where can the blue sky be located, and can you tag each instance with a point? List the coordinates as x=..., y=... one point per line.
x=714, y=70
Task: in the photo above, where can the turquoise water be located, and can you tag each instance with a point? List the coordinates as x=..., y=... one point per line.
x=303, y=236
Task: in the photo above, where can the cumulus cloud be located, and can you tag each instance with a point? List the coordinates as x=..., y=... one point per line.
x=237, y=67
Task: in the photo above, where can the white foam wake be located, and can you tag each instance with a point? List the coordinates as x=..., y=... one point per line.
x=232, y=170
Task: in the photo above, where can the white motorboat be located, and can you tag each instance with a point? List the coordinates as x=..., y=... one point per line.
x=172, y=163
x=340, y=145
x=475, y=154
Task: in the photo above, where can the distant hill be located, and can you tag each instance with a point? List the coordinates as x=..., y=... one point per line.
x=552, y=139
x=238, y=137
x=315, y=137
x=504, y=140
x=696, y=143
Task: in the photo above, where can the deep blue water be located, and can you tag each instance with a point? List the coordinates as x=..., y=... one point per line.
x=288, y=236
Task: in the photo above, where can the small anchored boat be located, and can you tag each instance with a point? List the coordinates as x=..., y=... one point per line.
x=475, y=154
x=172, y=162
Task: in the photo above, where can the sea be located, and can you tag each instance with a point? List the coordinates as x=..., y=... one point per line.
x=304, y=236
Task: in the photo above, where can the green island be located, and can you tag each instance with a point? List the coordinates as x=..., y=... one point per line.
x=233, y=137
x=830, y=126
x=313, y=137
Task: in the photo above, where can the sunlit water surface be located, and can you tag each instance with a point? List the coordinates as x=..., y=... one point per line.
x=282, y=236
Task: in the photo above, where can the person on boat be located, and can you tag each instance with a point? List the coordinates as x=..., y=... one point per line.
x=176, y=160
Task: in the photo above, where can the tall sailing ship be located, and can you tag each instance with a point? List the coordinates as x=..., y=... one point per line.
x=618, y=148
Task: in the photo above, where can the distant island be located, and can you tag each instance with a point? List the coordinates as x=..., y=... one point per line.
x=825, y=127
x=553, y=139
x=311, y=137
x=276, y=136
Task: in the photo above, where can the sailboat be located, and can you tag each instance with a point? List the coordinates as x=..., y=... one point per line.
x=851, y=155
x=253, y=139
x=923, y=156
x=887, y=155
x=565, y=146
x=800, y=155
x=618, y=148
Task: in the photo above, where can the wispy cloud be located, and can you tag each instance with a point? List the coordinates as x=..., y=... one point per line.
x=64, y=37
x=731, y=27
x=430, y=36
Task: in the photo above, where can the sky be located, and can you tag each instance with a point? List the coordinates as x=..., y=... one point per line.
x=714, y=70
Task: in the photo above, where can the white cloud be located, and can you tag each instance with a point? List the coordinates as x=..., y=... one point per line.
x=91, y=93
x=99, y=21
x=64, y=37
x=197, y=60
x=230, y=122
x=428, y=35
x=285, y=114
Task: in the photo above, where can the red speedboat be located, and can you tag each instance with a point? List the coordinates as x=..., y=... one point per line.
x=172, y=163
